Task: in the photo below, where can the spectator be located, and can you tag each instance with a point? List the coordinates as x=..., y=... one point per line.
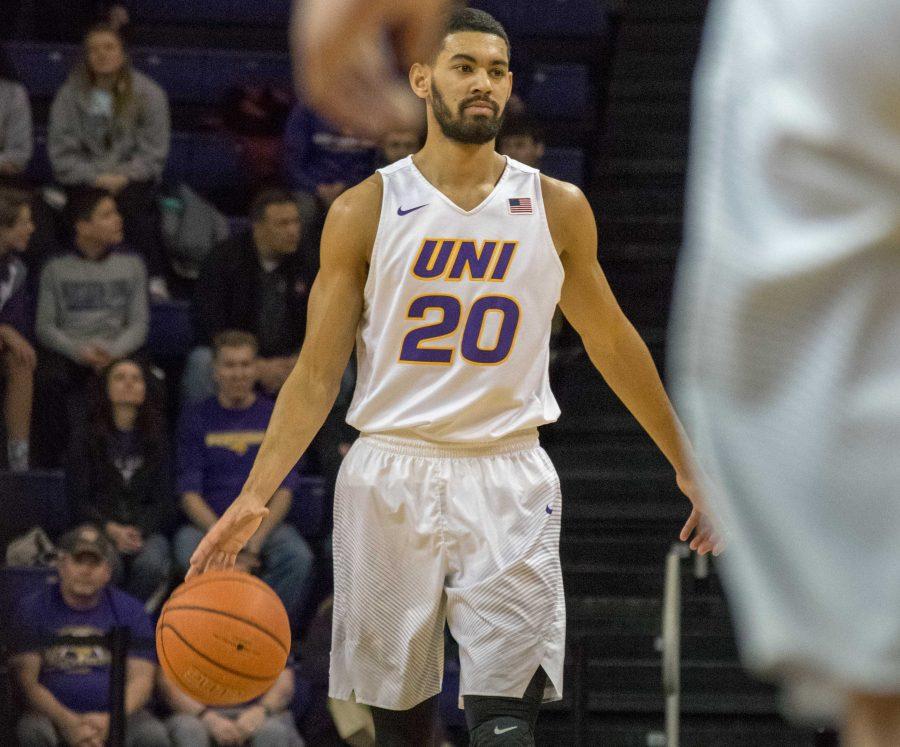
x=321, y=162
x=92, y=309
x=16, y=137
x=17, y=355
x=119, y=476
x=109, y=128
x=259, y=282
x=397, y=144
x=66, y=686
x=217, y=442
x=264, y=722
x=522, y=140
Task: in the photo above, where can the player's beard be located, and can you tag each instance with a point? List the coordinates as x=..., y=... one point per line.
x=471, y=130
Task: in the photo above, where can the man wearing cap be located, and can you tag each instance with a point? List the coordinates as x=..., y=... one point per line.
x=66, y=686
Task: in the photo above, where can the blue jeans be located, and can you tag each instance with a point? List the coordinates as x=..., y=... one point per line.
x=141, y=575
x=286, y=562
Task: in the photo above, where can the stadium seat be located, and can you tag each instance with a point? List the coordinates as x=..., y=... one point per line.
x=201, y=76
x=564, y=163
x=171, y=332
x=43, y=68
x=39, y=168
x=308, y=508
x=216, y=163
x=32, y=499
x=238, y=224
x=573, y=18
x=17, y=583
x=559, y=92
x=209, y=162
x=231, y=12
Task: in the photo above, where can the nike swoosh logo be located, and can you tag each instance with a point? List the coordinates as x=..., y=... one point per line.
x=498, y=730
x=401, y=211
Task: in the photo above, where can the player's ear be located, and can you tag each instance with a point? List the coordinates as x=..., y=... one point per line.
x=420, y=79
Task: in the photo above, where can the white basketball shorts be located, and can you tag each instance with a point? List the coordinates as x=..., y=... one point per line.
x=425, y=533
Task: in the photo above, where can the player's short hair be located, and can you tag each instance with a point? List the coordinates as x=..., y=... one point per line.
x=82, y=203
x=522, y=126
x=268, y=197
x=234, y=338
x=11, y=202
x=472, y=19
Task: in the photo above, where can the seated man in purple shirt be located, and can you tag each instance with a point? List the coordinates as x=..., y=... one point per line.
x=217, y=442
x=66, y=686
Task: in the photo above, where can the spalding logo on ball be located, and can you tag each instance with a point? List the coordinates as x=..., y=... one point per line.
x=223, y=637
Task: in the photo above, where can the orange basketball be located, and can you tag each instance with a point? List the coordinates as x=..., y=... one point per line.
x=223, y=637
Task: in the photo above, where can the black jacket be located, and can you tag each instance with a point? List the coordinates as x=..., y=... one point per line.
x=226, y=294
x=98, y=493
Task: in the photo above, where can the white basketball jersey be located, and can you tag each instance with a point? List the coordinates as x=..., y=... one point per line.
x=453, y=345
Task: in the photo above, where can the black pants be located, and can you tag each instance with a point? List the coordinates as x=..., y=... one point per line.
x=62, y=389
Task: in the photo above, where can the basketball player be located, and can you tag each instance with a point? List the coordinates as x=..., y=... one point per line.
x=788, y=347
x=445, y=269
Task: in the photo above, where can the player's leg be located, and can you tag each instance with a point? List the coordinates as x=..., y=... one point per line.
x=387, y=641
x=506, y=607
x=414, y=726
x=505, y=721
x=872, y=720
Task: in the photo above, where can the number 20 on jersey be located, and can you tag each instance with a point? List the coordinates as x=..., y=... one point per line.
x=453, y=260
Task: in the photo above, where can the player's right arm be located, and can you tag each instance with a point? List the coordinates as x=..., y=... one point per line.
x=335, y=308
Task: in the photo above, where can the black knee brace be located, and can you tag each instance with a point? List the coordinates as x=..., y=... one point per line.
x=505, y=721
x=503, y=730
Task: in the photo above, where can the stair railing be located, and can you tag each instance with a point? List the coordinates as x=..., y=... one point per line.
x=671, y=642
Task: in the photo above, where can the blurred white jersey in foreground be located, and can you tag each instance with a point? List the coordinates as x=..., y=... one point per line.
x=786, y=334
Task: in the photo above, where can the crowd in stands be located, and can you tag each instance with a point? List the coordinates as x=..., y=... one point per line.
x=74, y=324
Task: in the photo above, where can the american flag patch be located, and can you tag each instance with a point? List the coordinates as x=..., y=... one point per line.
x=519, y=205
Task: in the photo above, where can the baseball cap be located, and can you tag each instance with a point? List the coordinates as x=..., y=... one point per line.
x=86, y=539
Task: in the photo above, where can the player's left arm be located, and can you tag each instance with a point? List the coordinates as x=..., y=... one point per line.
x=614, y=346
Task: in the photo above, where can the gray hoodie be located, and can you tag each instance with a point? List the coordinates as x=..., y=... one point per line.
x=15, y=124
x=84, y=140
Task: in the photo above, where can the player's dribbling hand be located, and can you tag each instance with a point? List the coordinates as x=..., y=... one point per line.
x=347, y=55
x=699, y=528
x=219, y=549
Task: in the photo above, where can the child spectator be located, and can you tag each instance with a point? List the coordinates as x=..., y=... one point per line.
x=16, y=354
x=16, y=137
x=92, y=308
x=218, y=439
x=66, y=686
x=119, y=476
x=109, y=128
x=264, y=722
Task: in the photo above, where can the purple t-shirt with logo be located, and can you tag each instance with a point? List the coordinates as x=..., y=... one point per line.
x=78, y=676
x=217, y=446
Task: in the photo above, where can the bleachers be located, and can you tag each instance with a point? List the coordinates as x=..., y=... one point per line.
x=224, y=12
x=193, y=76
x=32, y=499
x=202, y=76
x=556, y=92
x=543, y=18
